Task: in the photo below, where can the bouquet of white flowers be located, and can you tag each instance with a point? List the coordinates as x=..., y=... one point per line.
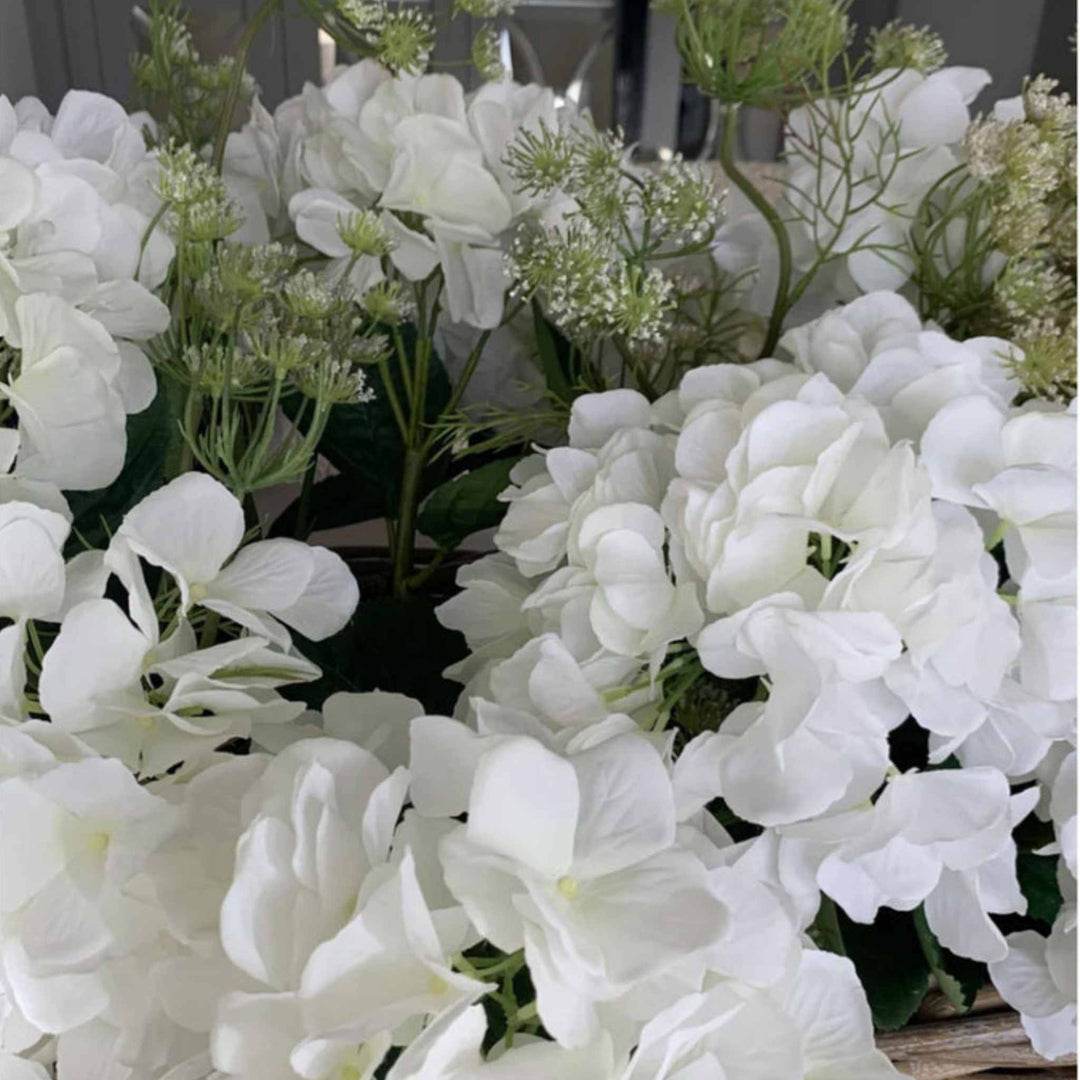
x=754, y=734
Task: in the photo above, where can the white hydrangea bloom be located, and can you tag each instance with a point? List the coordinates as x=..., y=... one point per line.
x=202, y=697
x=942, y=839
x=70, y=904
x=79, y=202
x=574, y=859
x=193, y=527
x=1038, y=979
x=409, y=146
x=813, y=1027
x=338, y=939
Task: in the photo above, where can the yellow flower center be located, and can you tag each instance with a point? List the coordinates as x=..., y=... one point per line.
x=197, y=592
x=97, y=842
x=436, y=984
x=567, y=886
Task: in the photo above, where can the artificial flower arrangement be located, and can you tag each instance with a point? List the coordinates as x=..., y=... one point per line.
x=760, y=720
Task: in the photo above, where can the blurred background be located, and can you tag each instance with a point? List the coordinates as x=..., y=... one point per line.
x=613, y=56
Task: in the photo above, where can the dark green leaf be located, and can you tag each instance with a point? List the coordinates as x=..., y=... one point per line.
x=958, y=978
x=1038, y=882
x=466, y=504
x=345, y=499
x=825, y=929
x=1033, y=833
x=389, y=644
x=890, y=964
x=909, y=745
x=99, y=513
x=554, y=351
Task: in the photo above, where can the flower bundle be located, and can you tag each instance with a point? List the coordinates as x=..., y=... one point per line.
x=768, y=719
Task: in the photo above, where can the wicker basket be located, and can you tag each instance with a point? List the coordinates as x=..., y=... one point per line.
x=989, y=1041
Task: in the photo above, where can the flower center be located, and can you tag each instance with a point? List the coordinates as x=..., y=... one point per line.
x=436, y=984
x=197, y=592
x=97, y=842
x=567, y=886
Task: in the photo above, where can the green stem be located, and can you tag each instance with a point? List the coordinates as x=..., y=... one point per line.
x=209, y=629
x=192, y=418
x=153, y=224
x=418, y=450
x=35, y=641
x=683, y=683
x=236, y=79
x=998, y=534
x=405, y=548
x=463, y=382
x=391, y=396
x=772, y=219
x=512, y=962
x=303, y=509
x=421, y=576
x=523, y=1015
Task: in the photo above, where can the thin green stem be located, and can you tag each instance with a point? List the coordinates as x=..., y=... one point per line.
x=35, y=641
x=151, y=226
x=404, y=552
x=772, y=219
x=421, y=576
x=236, y=79
x=391, y=396
x=303, y=508
x=462, y=383
x=998, y=534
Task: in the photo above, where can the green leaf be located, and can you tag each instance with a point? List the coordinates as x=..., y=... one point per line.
x=466, y=504
x=98, y=513
x=345, y=499
x=890, y=964
x=825, y=929
x=554, y=351
x=1039, y=884
x=958, y=978
x=1033, y=833
x=389, y=644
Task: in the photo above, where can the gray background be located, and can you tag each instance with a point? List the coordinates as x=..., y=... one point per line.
x=48, y=46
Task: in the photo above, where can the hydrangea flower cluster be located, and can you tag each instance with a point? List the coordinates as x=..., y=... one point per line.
x=769, y=652
x=791, y=561
x=315, y=907
x=409, y=152
x=79, y=259
x=118, y=692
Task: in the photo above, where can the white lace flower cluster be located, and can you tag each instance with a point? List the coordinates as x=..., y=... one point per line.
x=79, y=258
x=412, y=148
x=800, y=553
